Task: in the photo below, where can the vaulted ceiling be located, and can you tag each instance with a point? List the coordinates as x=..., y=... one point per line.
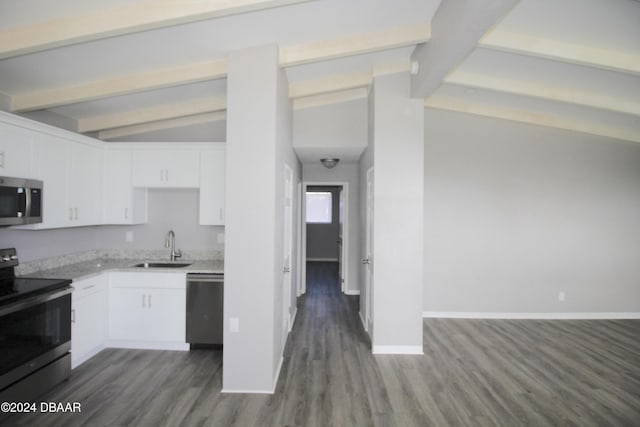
x=116, y=69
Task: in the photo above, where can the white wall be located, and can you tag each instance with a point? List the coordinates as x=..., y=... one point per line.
x=398, y=132
x=258, y=145
x=37, y=244
x=337, y=130
x=168, y=209
x=516, y=213
x=349, y=173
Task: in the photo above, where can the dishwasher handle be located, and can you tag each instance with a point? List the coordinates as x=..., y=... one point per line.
x=205, y=277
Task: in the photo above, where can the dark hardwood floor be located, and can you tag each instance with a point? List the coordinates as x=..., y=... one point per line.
x=473, y=373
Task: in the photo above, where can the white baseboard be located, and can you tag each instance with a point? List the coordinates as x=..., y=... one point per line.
x=272, y=391
x=351, y=292
x=397, y=349
x=224, y=390
x=322, y=259
x=292, y=320
x=148, y=345
x=364, y=324
x=277, y=375
x=549, y=316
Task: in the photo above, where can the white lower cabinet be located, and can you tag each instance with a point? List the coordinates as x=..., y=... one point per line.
x=89, y=318
x=147, y=310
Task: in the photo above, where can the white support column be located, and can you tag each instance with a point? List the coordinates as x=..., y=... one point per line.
x=398, y=146
x=250, y=309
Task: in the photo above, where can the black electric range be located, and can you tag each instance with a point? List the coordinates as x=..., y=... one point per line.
x=35, y=332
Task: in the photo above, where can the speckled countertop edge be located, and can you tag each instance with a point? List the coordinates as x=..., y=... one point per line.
x=95, y=262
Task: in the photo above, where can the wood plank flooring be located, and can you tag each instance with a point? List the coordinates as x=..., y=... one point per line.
x=473, y=373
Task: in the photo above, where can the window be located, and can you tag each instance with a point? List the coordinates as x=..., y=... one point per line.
x=319, y=207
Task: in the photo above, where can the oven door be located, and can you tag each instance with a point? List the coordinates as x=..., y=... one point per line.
x=33, y=332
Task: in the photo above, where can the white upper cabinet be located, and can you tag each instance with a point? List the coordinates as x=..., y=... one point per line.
x=15, y=151
x=123, y=204
x=158, y=168
x=212, y=182
x=50, y=164
x=72, y=181
x=84, y=184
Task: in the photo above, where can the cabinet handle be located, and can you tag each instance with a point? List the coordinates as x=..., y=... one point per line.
x=70, y=214
x=149, y=300
x=161, y=175
x=143, y=300
x=220, y=214
x=166, y=175
x=73, y=315
x=76, y=209
x=2, y=159
x=126, y=213
x=89, y=287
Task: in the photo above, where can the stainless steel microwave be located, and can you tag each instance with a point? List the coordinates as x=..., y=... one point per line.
x=20, y=201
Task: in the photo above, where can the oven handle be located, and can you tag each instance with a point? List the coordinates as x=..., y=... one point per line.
x=38, y=299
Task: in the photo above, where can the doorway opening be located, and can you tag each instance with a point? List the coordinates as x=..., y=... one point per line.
x=325, y=228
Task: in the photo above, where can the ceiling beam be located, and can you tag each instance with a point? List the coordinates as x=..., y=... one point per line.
x=536, y=90
x=531, y=117
x=139, y=16
x=330, y=98
x=120, y=85
x=195, y=119
x=330, y=84
x=354, y=45
x=456, y=28
x=556, y=49
x=152, y=114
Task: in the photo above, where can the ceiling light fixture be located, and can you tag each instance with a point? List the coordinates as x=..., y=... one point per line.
x=329, y=163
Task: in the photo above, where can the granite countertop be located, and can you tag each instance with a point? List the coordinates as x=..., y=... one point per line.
x=90, y=267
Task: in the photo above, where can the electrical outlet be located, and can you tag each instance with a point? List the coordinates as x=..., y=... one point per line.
x=234, y=324
x=128, y=236
x=561, y=296
x=220, y=237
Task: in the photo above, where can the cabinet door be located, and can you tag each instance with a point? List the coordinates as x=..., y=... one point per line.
x=89, y=325
x=84, y=184
x=89, y=318
x=15, y=151
x=122, y=203
x=165, y=317
x=166, y=169
x=51, y=165
x=127, y=314
x=212, y=182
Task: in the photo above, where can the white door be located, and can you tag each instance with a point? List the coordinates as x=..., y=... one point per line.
x=368, y=260
x=288, y=244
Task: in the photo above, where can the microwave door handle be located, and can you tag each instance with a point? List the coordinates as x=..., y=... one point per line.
x=27, y=208
x=21, y=193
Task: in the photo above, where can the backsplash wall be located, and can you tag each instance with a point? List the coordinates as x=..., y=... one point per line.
x=169, y=209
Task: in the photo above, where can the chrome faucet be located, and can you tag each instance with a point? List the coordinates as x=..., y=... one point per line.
x=170, y=241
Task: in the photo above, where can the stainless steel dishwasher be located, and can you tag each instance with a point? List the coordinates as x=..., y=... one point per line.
x=205, y=297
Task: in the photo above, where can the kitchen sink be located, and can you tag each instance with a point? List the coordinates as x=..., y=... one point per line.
x=163, y=264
